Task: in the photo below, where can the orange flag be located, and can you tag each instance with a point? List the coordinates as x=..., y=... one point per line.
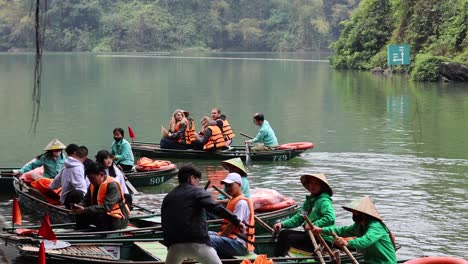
x=46, y=230
x=16, y=212
x=41, y=256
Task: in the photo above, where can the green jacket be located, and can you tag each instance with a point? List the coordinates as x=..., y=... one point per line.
x=320, y=212
x=51, y=167
x=122, y=152
x=373, y=240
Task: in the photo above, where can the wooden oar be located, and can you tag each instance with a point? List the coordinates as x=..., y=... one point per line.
x=346, y=250
x=130, y=186
x=245, y=135
x=314, y=242
x=207, y=185
x=322, y=241
x=257, y=219
x=248, y=158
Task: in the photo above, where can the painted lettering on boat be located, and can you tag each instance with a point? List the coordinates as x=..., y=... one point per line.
x=280, y=157
x=155, y=181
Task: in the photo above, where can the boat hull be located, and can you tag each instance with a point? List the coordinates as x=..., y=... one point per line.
x=153, y=150
x=151, y=178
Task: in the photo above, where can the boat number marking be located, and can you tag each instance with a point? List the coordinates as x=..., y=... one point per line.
x=280, y=157
x=154, y=181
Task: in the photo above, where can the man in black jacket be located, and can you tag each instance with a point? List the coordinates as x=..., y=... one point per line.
x=184, y=219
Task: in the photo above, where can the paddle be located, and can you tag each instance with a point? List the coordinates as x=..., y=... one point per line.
x=248, y=158
x=322, y=241
x=207, y=185
x=314, y=242
x=346, y=250
x=130, y=186
x=257, y=219
x=245, y=135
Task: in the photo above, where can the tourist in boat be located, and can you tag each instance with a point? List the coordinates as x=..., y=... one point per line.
x=372, y=236
x=223, y=124
x=191, y=130
x=178, y=136
x=104, y=204
x=236, y=165
x=211, y=138
x=230, y=241
x=265, y=137
x=106, y=159
x=184, y=224
x=319, y=208
x=52, y=161
x=72, y=177
x=122, y=151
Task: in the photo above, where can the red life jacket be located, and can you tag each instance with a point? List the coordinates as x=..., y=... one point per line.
x=250, y=231
x=101, y=197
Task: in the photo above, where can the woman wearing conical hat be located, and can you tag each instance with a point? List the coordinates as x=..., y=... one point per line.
x=319, y=208
x=52, y=160
x=236, y=165
x=373, y=238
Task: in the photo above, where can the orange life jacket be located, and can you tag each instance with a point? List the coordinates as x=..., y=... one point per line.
x=187, y=137
x=191, y=130
x=216, y=140
x=250, y=231
x=227, y=130
x=101, y=197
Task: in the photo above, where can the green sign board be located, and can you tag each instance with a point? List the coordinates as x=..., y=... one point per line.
x=398, y=54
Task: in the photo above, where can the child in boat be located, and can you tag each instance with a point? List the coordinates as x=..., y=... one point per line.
x=319, y=208
x=373, y=237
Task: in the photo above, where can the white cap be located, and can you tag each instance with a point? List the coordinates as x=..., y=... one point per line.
x=233, y=177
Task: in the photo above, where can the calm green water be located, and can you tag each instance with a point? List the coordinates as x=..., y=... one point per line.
x=403, y=143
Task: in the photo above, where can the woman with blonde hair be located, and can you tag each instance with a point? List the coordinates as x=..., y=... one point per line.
x=178, y=136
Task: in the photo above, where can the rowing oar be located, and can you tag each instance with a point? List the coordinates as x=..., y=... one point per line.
x=245, y=135
x=314, y=242
x=346, y=250
x=257, y=219
x=322, y=241
x=130, y=186
x=207, y=185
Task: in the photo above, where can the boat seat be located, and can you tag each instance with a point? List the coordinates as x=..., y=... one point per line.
x=156, y=250
x=250, y=256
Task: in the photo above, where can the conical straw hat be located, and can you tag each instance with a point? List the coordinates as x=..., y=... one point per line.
x=235, y=163
x=54, y=145
x=164, y=133
x=186, y=113
x=319, y=176
x=364, y=205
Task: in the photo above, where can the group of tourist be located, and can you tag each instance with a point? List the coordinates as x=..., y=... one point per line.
x=185, y=231
x=216, y=133
x=94, y=190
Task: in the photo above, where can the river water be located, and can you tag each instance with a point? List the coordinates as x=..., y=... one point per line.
x=402, y=143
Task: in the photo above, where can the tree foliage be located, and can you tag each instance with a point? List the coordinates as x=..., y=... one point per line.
x=144, y=25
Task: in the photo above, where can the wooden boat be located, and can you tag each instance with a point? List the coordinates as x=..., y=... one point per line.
x=151, y=178
x=6, y=180
x=146, y=251
x=153, y=150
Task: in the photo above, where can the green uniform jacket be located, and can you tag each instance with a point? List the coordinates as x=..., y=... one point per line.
x=51, y=167
x=320, y=212
x=122, y=152
x=373, y=240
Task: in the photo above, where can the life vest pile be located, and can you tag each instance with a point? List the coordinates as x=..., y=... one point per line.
x=146, y=164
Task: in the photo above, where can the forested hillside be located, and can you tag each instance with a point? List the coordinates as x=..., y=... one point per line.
x=152, y=25
x=435, y=30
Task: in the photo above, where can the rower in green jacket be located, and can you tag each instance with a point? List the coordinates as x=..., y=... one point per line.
x=372, y=237
x=319, y=208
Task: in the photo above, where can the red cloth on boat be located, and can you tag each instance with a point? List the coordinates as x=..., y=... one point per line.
x=261, y=197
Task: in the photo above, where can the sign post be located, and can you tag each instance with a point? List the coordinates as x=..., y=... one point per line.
x=398, y=54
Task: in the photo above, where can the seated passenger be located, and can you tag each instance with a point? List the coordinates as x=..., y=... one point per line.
x=211, y=137
x=106, y=159
x=236, y=165
x=230, y=241
x=223, y=124
x=178, y=136
x=72, y=177
x=191, y=128
x=122, y=151
x=103, y=205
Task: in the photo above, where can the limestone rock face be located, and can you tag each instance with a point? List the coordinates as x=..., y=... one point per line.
x=454, y=71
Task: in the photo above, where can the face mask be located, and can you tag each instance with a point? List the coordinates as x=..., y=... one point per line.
x=117, y=139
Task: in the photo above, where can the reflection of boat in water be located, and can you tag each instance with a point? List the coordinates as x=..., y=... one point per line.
x=153, y=150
